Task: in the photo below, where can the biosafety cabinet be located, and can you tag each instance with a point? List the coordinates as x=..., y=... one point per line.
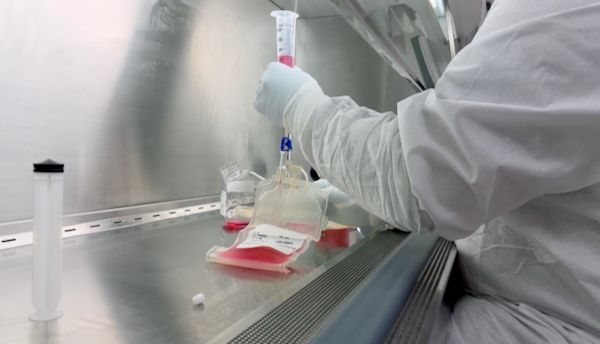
x=143, y=101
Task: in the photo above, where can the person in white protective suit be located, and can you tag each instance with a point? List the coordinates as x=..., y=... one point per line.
x=503, y=157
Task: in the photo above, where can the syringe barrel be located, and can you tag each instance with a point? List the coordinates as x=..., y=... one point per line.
x=286, y=36
x=47, y=244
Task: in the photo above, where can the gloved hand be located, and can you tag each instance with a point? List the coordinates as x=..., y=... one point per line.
x=344, y=210
x=278, y=84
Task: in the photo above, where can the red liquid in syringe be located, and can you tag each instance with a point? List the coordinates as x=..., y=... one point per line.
x=287, y=60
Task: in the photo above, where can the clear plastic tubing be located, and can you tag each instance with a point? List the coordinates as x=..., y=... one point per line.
x=47, y=240
x=286, y=36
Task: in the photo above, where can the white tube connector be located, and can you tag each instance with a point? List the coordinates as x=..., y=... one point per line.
x=198, y=299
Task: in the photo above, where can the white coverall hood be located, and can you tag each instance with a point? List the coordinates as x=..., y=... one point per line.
x=507, y=142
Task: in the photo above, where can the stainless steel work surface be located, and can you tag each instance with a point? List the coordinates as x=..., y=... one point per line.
x=135, y=286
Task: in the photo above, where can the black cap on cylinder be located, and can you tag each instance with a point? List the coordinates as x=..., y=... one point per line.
x=49, y=166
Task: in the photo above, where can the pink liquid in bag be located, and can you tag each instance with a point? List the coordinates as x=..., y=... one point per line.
x=335, y=238
x=260, y=254
x=235, y=225
x=253, y=249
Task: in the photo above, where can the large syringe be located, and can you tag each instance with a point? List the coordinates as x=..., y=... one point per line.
x=286, y=36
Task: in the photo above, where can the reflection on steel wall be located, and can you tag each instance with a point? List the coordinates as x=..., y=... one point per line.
x=352, y=67
x=406, y=33
x=144, y=99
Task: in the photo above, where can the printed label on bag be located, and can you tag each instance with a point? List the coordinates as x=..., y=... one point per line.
x=277, y=238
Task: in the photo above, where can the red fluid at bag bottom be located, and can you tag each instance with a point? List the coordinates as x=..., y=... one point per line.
x=259, y=254
x=235, y=225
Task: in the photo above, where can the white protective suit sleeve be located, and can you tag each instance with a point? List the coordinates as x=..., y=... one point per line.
x=343, y=210
x=356, y=149
x=513, y=117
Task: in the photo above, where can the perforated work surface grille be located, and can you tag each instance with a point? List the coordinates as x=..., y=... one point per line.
x=300, y=317
x=409, y=323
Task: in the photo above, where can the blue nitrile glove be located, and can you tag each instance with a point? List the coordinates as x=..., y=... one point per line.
x=278, y=84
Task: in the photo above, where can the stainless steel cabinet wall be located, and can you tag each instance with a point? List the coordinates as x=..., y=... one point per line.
x=344, y=64
x=144, y=99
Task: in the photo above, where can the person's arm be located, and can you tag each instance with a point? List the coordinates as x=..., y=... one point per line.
x=357, y=149
x=514, y=117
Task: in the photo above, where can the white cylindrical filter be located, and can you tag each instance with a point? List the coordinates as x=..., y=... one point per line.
x=286, y=36
x=47, y=240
